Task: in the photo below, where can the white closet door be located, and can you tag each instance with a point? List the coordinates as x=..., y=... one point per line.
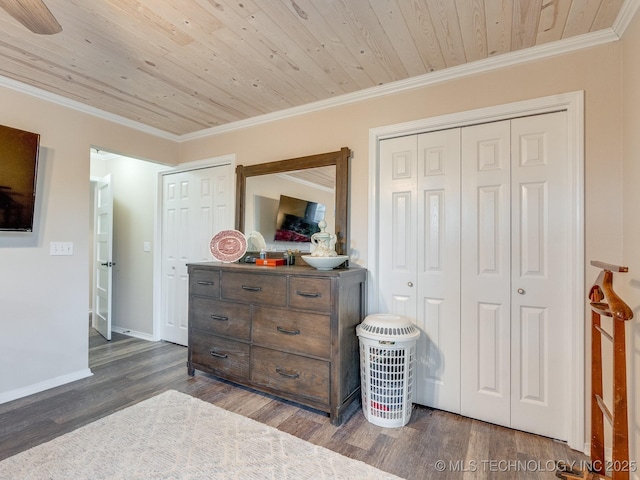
x=420, y=260
x=486, y=271
x=196, y=205
x=540, y=286
x=175, y=221
x=398, y=230
x=514, y=274
x=438, y=270
x=474, y=247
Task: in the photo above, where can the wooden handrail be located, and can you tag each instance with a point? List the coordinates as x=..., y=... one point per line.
x=602, y=289
x=605, y=302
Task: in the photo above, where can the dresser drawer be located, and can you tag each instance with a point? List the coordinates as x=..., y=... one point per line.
x=296, y=332
x=310, y=294
x=220, y=356
x=254, y=288
x=290, y=373
x=204, y=282
x=213, y=316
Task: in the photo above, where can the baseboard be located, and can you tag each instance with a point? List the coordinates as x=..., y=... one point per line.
x=133, y=333
x=42, y=386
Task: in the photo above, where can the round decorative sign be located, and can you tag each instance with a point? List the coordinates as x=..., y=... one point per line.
x=228, y=246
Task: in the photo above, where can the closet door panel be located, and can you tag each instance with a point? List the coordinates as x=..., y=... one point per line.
x=438, y=269
x=540, y=184
x=398, y=232
x=486, y=270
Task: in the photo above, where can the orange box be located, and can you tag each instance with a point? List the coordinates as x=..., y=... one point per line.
x=270, y=262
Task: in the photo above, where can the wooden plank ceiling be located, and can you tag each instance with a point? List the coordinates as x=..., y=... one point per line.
x=186, y=65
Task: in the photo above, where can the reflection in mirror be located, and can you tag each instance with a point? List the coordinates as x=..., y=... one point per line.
x=312, y=179
x=286, y=207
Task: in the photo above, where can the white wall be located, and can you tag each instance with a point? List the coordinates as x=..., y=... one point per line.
x=44, y=299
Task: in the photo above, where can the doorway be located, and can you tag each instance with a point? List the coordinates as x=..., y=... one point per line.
x=135, y=193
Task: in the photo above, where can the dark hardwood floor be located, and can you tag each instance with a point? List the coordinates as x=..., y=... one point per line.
x=128, y=370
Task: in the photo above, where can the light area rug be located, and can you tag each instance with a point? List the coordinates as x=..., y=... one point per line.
x=176, y=436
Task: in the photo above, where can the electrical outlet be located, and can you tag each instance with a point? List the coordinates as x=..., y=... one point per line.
x=61, y=248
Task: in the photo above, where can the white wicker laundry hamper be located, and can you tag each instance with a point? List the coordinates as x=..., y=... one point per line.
x=387, y=368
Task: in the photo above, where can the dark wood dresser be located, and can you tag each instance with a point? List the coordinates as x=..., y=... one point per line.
x=287, y=331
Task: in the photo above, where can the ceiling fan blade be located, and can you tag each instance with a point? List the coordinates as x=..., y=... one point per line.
x=33, y=14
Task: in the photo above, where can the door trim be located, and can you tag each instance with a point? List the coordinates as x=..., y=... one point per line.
x=573, y=104
x=229, y=159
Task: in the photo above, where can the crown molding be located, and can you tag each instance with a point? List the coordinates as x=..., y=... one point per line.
x=81, y=107
x=625, y=15
x=547, y=50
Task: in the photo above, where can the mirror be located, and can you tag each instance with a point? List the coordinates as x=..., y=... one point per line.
x=286, y=207
x=259, y=189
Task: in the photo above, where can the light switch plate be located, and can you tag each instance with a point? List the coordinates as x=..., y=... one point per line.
x=61, y=248
x=147, y=246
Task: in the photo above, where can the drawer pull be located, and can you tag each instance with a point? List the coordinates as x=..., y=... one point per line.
x=284, y=373
x=218, y=355
x=307, y=294
x=288, y=332
x=219, y=318
x=205, y=283
x=251, y=289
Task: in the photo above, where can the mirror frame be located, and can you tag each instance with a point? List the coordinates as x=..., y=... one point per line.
x=339, y=158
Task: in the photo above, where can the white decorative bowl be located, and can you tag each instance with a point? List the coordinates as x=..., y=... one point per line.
x=325, y=263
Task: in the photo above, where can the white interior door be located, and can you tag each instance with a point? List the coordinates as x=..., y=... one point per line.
x=103, y=257
x=196, y=205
